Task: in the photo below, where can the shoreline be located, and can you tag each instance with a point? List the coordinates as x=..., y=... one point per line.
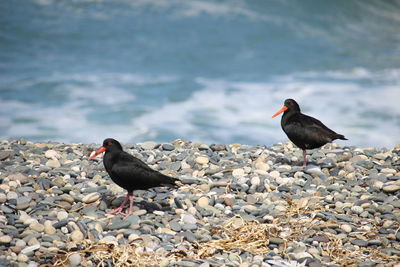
x=238, y=205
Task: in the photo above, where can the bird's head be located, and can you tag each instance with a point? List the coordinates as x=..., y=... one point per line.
x=289, y=104
x=109, y=144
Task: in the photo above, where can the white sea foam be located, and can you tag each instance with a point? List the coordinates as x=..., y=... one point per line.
x=368, y=116
x=221, y=111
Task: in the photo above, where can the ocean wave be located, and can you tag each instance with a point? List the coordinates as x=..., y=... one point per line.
x=358, y=103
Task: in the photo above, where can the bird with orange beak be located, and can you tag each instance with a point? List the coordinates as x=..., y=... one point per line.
x=304, y=131
x=129, y=172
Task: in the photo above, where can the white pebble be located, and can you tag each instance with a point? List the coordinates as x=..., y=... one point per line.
x=274, y=174
x=62, y=215
x=51, y=154
x=92, y=197
x=202, y=160
x=5, y=239
x=189, y=218
x=357, y=209
x=22, y=258
x=74, y=260
x=76, y=236
x=202, y=202
x=255, y=181
x=53, y=163
x=347, y=228
x=237, y=173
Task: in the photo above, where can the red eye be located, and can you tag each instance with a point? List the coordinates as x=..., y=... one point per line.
x=109, y=143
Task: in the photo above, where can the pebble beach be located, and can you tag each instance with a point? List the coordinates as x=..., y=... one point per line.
x=237, y=205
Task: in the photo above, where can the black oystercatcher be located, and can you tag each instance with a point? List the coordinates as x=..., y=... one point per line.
x=129, y=172
x=304, y=131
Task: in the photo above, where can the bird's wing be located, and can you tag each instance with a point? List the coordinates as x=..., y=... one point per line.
x=310, y=131
x=132, y=169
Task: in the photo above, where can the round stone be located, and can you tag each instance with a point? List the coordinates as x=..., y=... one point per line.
x=53, y=163
x=202, y=160
x=22, y=257
x=49, y=229
x=255, y=181
x=76, y=236
x=274, y=174
x=237, y=173
x=357, y=209
x=261, y=166
x=62, y=215
x=189, y=218
x=18, y=177
x=202, y=202
x=5, y=239
x=74, y=259
x=347, y=228
x=20, y=243
x=51, y=154
x=36, y=227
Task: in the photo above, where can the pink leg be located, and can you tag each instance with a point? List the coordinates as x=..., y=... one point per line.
x=130, y=206
x=119, y=209
x=305, y=160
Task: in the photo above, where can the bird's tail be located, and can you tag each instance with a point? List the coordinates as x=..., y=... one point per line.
x=341, y=137
x=170, y=181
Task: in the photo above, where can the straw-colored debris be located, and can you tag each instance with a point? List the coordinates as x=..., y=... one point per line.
x=237, y=235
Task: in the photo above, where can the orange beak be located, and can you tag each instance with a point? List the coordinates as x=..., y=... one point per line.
x=283, y=109
x=101, y=150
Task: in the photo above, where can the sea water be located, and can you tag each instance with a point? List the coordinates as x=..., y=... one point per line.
x=209, y=71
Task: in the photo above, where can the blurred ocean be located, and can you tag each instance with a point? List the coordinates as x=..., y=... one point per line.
x=209, y=71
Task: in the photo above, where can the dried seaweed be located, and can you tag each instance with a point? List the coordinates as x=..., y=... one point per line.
x=237, y=235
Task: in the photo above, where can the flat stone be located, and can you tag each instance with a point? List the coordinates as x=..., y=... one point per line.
x=122, y=224
x=175, y=226
x=139, y=212
x=28, y=250
x=23, y=202
x=49, y=229
x=60, y=224
x=5, y=239
x=388, y=171
x=133, y=219
x=6, y=154
x=359, y=242
x=321, y=238
x=168, y=147
x=92, y=197
x=149, y=145
x=275, y=174
x=37, y=227
x=347, y=228
x=237, y=173
x=391, y=188
x=357, y=209
x=276, y=240
x=262, y=166
x=22, y=178
x=53, y=163
x=189, y=218
x=62, y=215
x=202, y=160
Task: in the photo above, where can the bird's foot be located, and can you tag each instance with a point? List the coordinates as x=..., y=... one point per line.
x=129, y=213
x=117, y=211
